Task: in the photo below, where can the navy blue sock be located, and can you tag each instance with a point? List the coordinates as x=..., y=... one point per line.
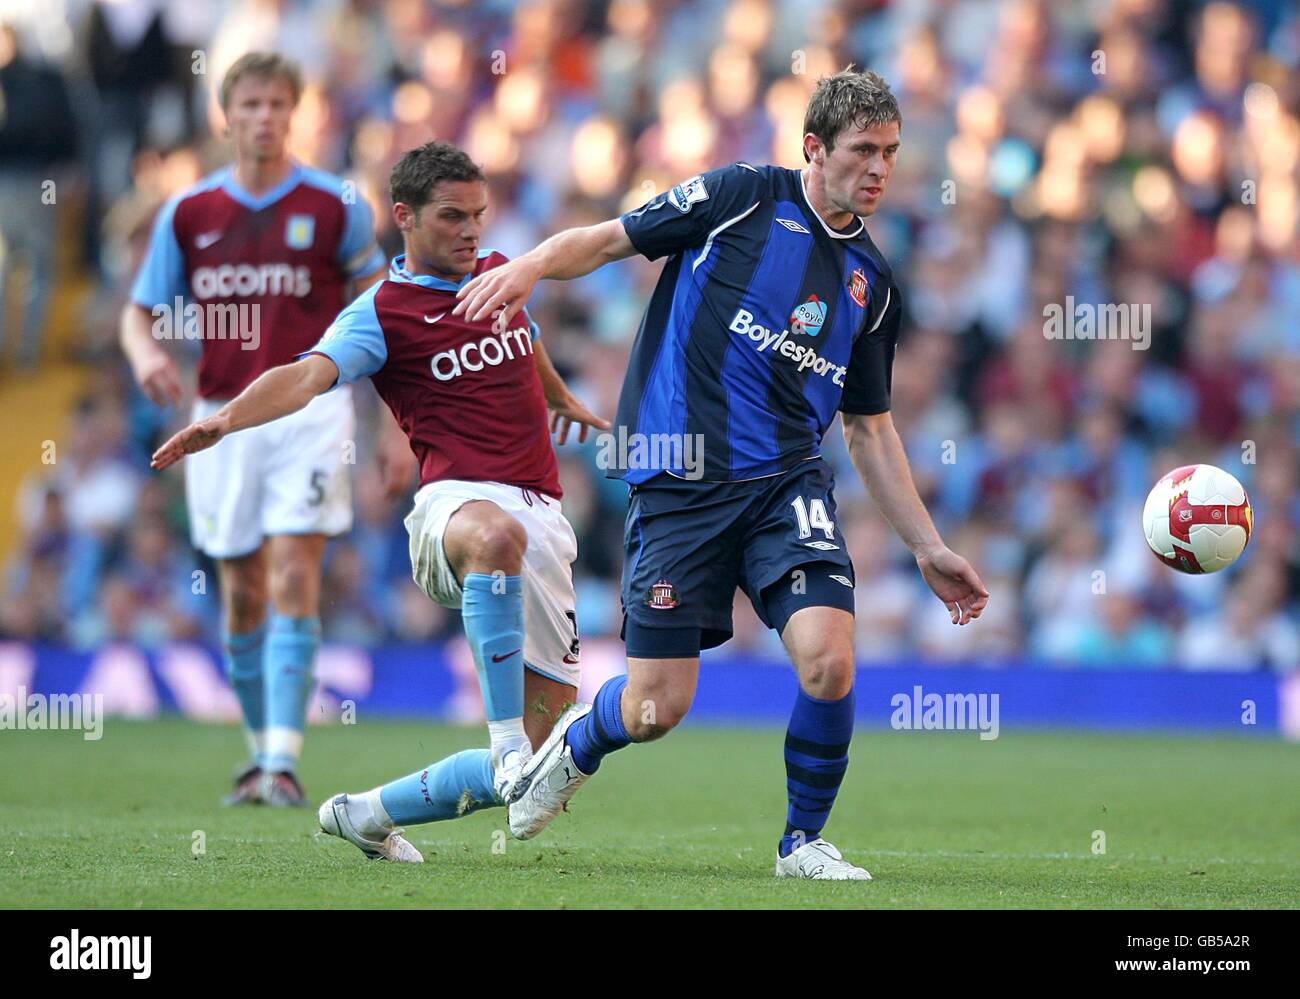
x=816, y=757
x=599, y=731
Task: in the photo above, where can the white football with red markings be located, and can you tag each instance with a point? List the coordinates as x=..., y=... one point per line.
x=1197, y=519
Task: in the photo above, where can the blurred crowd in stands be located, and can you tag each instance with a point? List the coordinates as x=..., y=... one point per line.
x=1130, y=151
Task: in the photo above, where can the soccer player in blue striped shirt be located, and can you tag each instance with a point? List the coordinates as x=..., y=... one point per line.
x=774, y=311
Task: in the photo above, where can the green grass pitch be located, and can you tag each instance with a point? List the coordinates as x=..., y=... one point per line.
x=940, y=819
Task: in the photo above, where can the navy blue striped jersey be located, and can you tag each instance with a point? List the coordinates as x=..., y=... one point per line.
x=764, y=323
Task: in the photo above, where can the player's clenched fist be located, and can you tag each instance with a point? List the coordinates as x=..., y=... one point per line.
x=198, y=436
x=505, y=288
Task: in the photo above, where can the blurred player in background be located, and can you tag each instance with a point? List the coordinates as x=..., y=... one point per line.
x=487, y=535
x=269, y=251
x=774, y=312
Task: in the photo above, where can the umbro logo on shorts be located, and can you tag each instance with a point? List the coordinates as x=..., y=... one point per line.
x=822, y=546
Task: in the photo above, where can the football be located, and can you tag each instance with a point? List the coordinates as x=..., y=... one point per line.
x=1197, y=519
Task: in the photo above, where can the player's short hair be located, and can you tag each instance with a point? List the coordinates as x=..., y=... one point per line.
x=850, y=97
x=267, y=65
x=420, y=169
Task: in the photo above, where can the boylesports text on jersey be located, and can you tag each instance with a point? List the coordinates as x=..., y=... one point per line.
x=251, y=280
x=802, y=354
x=492, y=350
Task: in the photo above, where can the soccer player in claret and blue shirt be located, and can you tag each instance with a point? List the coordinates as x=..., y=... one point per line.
x=774, y=312
x=487, y=533
x=256, y=260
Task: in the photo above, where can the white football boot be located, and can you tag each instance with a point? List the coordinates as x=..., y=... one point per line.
x=820, y=861
x=335, y=821
x=506, y=771
x=547, y=781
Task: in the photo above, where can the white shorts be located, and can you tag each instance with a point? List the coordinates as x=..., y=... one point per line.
x=550, y=606
x=289, y=476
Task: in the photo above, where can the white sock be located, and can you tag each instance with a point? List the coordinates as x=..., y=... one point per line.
x=368, y=814
x=507, y=736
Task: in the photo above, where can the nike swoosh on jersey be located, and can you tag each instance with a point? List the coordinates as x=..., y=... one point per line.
x=205, y=239
x=434, y=319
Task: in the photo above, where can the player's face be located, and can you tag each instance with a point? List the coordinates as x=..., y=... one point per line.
x=258, y=117
x=857, y=170
x=444, y=235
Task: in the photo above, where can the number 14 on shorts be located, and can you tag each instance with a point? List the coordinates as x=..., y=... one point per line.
x=812, y=514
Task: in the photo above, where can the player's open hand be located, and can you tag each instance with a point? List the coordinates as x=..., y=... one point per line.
x=198, y=436
x=158, y=378
x=570, y=412
x=502, y=292
x=955, y=583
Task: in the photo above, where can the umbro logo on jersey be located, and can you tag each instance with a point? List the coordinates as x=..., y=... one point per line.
x=822, y=546
x=205, y=239
x=793, y=226
x=844, y=580
x=433, y=319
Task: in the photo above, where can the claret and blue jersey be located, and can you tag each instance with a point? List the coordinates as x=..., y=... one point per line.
x=765, y=322
x=286, y=254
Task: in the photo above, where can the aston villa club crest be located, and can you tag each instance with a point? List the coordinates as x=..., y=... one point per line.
x=663, y=596
x=858, y=287
x=299, y=231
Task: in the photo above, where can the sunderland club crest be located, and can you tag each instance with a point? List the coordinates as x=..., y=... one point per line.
x=663, y=596
x=858, y=287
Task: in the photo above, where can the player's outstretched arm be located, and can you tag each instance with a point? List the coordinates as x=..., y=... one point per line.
x=877, y=454
x=274, y=394
x=565, y=255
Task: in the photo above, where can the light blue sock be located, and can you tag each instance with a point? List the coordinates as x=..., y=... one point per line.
x=290, y=651
x=243, y=656
x=456, y=786
x=493, y=611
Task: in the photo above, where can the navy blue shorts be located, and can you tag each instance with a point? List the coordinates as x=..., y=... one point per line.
x=688, y=545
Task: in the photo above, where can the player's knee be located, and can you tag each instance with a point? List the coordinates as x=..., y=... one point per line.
x=498, y=544
x=827, y=674
x=655, y=714
x=245, y=604
x=291, y=580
